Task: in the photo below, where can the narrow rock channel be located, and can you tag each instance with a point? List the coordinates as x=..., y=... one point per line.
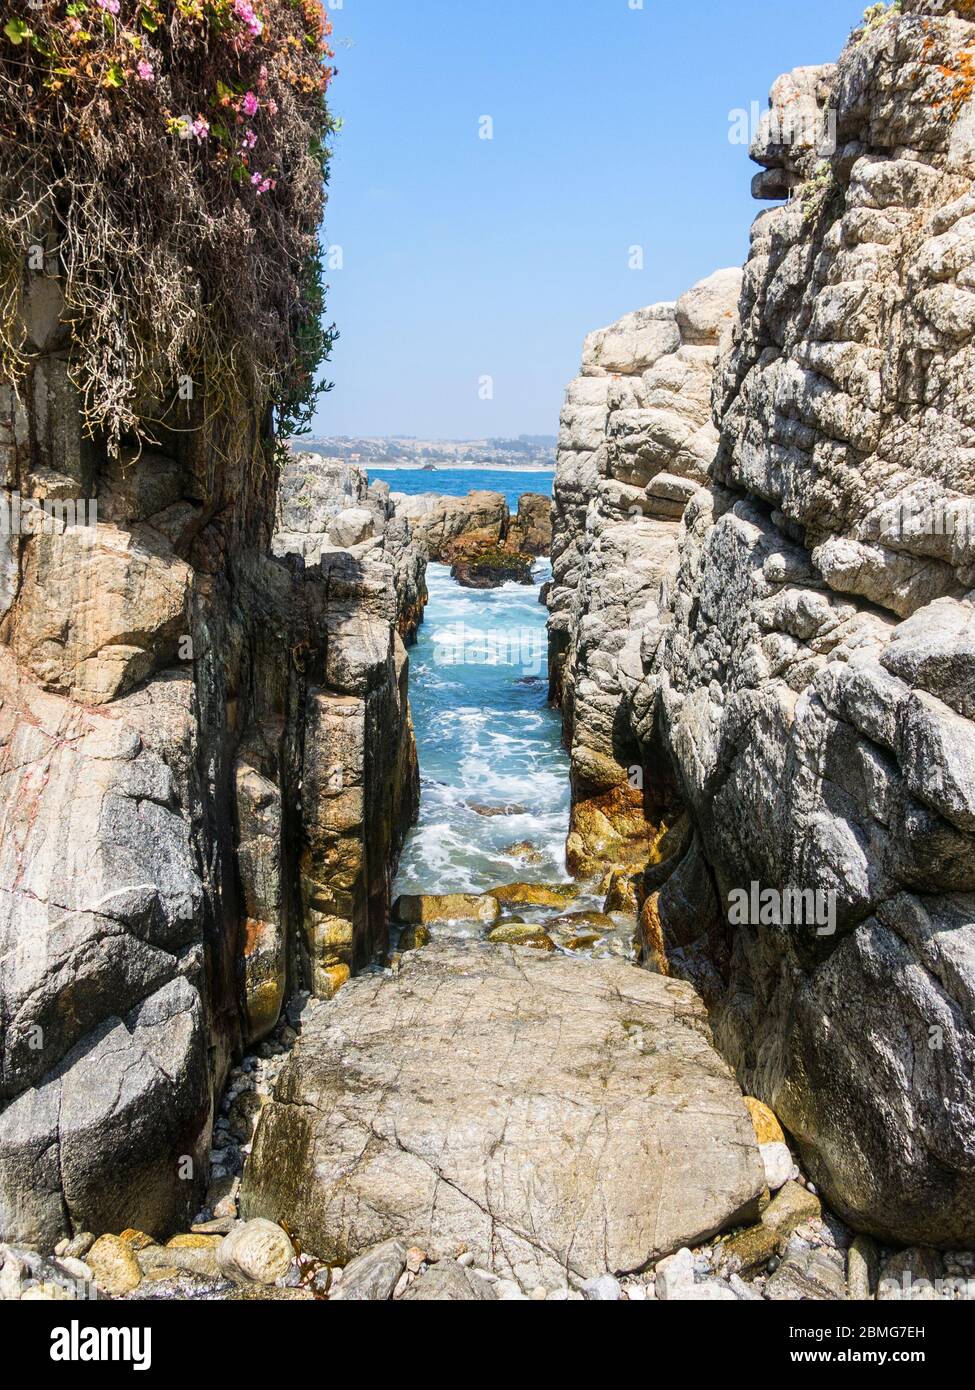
x=507, y=1093
x=448, y=882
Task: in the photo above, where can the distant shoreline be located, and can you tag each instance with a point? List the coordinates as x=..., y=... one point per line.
x=371, y=467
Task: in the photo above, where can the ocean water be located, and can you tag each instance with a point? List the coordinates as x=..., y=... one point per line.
x=487, y=739
x=458, y=482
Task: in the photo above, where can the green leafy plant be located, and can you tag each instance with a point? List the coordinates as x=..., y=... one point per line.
x=820, y=193
x=873, y=17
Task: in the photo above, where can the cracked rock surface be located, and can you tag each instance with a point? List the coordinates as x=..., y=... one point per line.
x=557, y=1118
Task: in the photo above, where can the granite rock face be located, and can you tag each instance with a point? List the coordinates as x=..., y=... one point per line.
x=207, y=769
x=414, y=1108
x=443, y=526
x=801, y=703
x=635, y=445
x=530, y=532
x=436, y=521
x=327, y=507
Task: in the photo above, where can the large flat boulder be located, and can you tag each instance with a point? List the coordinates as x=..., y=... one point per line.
x=557, y=1118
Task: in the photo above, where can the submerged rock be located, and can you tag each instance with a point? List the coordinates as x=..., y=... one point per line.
x=413, y=1109
x=522, y=934
x=479, y=564
x=525, y=851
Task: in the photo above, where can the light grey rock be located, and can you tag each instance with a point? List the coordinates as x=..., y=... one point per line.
x=809, y=1274
x=934, y=650
x=78, y=1246
x=256, y=1252
x=167, y=864
x=416, y=1137
x=449, y=1283
x=510, y=1292
x=912, y=1276
x=796, y=697
x=709, y=1291
x=326, y=508
x=605, y=1289
x=745, y=1293
x=778, y=1164
x=373, y=1275
x=862, y=1269
x=351, y=527
x=674, y=1276
x=630, y=458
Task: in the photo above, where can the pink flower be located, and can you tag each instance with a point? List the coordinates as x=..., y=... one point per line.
x=248, y=140
x=144, y=71
x=271, y=107
x=261, y=183
x=200, y=128
x=250, y=104
x=244, y=11
x=112, y=6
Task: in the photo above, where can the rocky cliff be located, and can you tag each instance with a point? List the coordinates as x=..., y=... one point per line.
x=801, y=703
x=206, y=771
x=635, y=444
x=440, y=525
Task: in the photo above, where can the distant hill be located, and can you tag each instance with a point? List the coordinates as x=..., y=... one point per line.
x=538, y=450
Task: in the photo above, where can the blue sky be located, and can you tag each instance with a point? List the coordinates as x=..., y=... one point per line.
x=466, y=258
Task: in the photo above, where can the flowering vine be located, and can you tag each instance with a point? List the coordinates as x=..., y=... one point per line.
x=173, y=154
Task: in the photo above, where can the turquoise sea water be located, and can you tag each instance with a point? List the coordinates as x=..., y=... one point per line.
x=458, y=482
x=487, y=738
x=493, y=770
x=486, y=735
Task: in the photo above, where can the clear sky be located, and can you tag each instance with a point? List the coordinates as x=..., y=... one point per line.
x=465, y=258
